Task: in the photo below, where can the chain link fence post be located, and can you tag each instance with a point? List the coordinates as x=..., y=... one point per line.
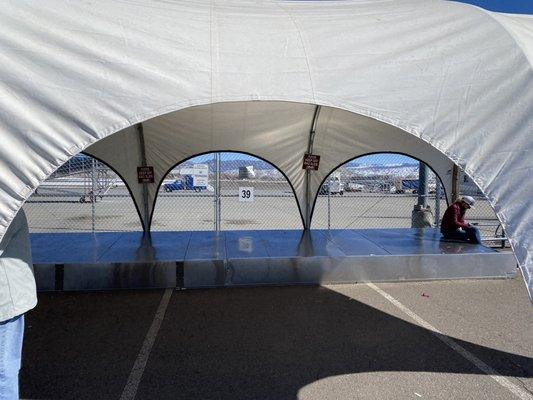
x=438, y=194
x=92, y=196
x=329, y=202
x=217, y=192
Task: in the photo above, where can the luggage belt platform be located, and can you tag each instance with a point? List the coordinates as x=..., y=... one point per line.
x=85, y=261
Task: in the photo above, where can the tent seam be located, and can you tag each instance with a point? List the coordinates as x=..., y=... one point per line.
x=304, y=48
x=509, y=32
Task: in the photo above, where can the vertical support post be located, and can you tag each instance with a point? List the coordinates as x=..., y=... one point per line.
x=92, y=197
x=307, y=172
x=217, y=201
x=438, y=194
x=145, y=208
x=455, y=182
x=422, y=185
x=85, y=179
x=421, y=216
x=329, y=202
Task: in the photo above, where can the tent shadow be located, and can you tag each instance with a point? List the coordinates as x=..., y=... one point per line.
x=245, y=343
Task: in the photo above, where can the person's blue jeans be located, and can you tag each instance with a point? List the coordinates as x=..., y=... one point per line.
x=11, y=334
x=470, y=235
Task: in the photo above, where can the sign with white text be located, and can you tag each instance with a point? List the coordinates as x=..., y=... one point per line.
x=145, y=174
x=311, y=162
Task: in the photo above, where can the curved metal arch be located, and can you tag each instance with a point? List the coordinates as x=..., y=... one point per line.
x=369, y=154
x=222, y=151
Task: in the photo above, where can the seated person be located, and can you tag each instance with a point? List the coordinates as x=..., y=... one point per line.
x=454, y=226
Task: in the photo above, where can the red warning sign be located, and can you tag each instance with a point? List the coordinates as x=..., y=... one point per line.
x=311, y=162
x=145, y=174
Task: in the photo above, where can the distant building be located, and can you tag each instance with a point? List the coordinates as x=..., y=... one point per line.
x=246, y=172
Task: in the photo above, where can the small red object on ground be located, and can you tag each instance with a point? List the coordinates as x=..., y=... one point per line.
x=425, y=295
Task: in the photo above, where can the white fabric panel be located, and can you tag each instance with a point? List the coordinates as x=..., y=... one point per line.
x=341, y=136
x=275, y=131
x=122, y=152
x=520, y=27
x=72, y=73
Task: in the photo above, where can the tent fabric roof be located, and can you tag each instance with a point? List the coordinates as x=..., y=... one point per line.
x=455, y=76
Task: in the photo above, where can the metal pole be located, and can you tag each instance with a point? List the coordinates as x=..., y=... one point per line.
x=438, y=194
x=422, y=185
x=329, y=202
x=217, y=193
x=93, y=196
x=421, y=216
x=307, y=172
x=146, y=209
x=455, y=182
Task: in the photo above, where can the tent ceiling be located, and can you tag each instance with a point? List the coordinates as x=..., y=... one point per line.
x=275, y=131
x=453, y=75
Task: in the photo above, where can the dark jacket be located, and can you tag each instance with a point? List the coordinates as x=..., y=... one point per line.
x=453, y=218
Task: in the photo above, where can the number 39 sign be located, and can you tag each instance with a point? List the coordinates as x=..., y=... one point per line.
x=246, y=194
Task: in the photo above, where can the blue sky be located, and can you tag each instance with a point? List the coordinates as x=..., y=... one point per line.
x=507, y=6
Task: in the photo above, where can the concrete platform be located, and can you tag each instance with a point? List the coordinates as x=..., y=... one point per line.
x=81, y=261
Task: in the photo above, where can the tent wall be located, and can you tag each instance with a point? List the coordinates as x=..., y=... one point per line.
x=248, y=127
x=342, y=136
x=122, y=152
x=450, y=74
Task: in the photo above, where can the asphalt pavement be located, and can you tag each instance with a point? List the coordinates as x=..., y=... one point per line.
x=271, y=209
x=435, y=340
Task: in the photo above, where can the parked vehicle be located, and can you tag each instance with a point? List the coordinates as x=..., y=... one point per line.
x=354, y=187
x=186, y=183
x=337, y=187
x=405, y=186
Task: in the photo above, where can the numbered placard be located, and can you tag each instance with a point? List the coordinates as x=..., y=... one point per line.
x=246, y=194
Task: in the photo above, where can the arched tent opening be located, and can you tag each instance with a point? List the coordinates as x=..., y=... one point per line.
x=377, y=190
x=83, y=195
x=135, y=99
x=381, y=190
x=253, y=195
x=292, y=129
x=280, y=132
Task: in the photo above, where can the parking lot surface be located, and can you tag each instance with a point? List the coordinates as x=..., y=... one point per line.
x=469, y=339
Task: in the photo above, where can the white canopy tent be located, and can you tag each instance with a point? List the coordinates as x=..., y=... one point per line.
x=442, y=81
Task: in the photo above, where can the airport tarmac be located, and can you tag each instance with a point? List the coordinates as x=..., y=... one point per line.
x=434, y=340
x=271, y=209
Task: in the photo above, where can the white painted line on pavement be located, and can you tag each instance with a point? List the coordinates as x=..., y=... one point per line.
x=130, y=390
x=506, y=383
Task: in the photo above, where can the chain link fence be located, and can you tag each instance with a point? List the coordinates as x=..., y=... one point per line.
x=236, y=191
x=375, y=191
x=482, y=215
x=381, y=191
x=252, y=194
x=83, y=195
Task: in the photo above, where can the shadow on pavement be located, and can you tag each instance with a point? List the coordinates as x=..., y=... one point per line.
x=254, y=343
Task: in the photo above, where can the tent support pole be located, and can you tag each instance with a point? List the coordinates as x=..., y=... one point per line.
x=455, y=183
x=308, y=172
x=145, y=208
